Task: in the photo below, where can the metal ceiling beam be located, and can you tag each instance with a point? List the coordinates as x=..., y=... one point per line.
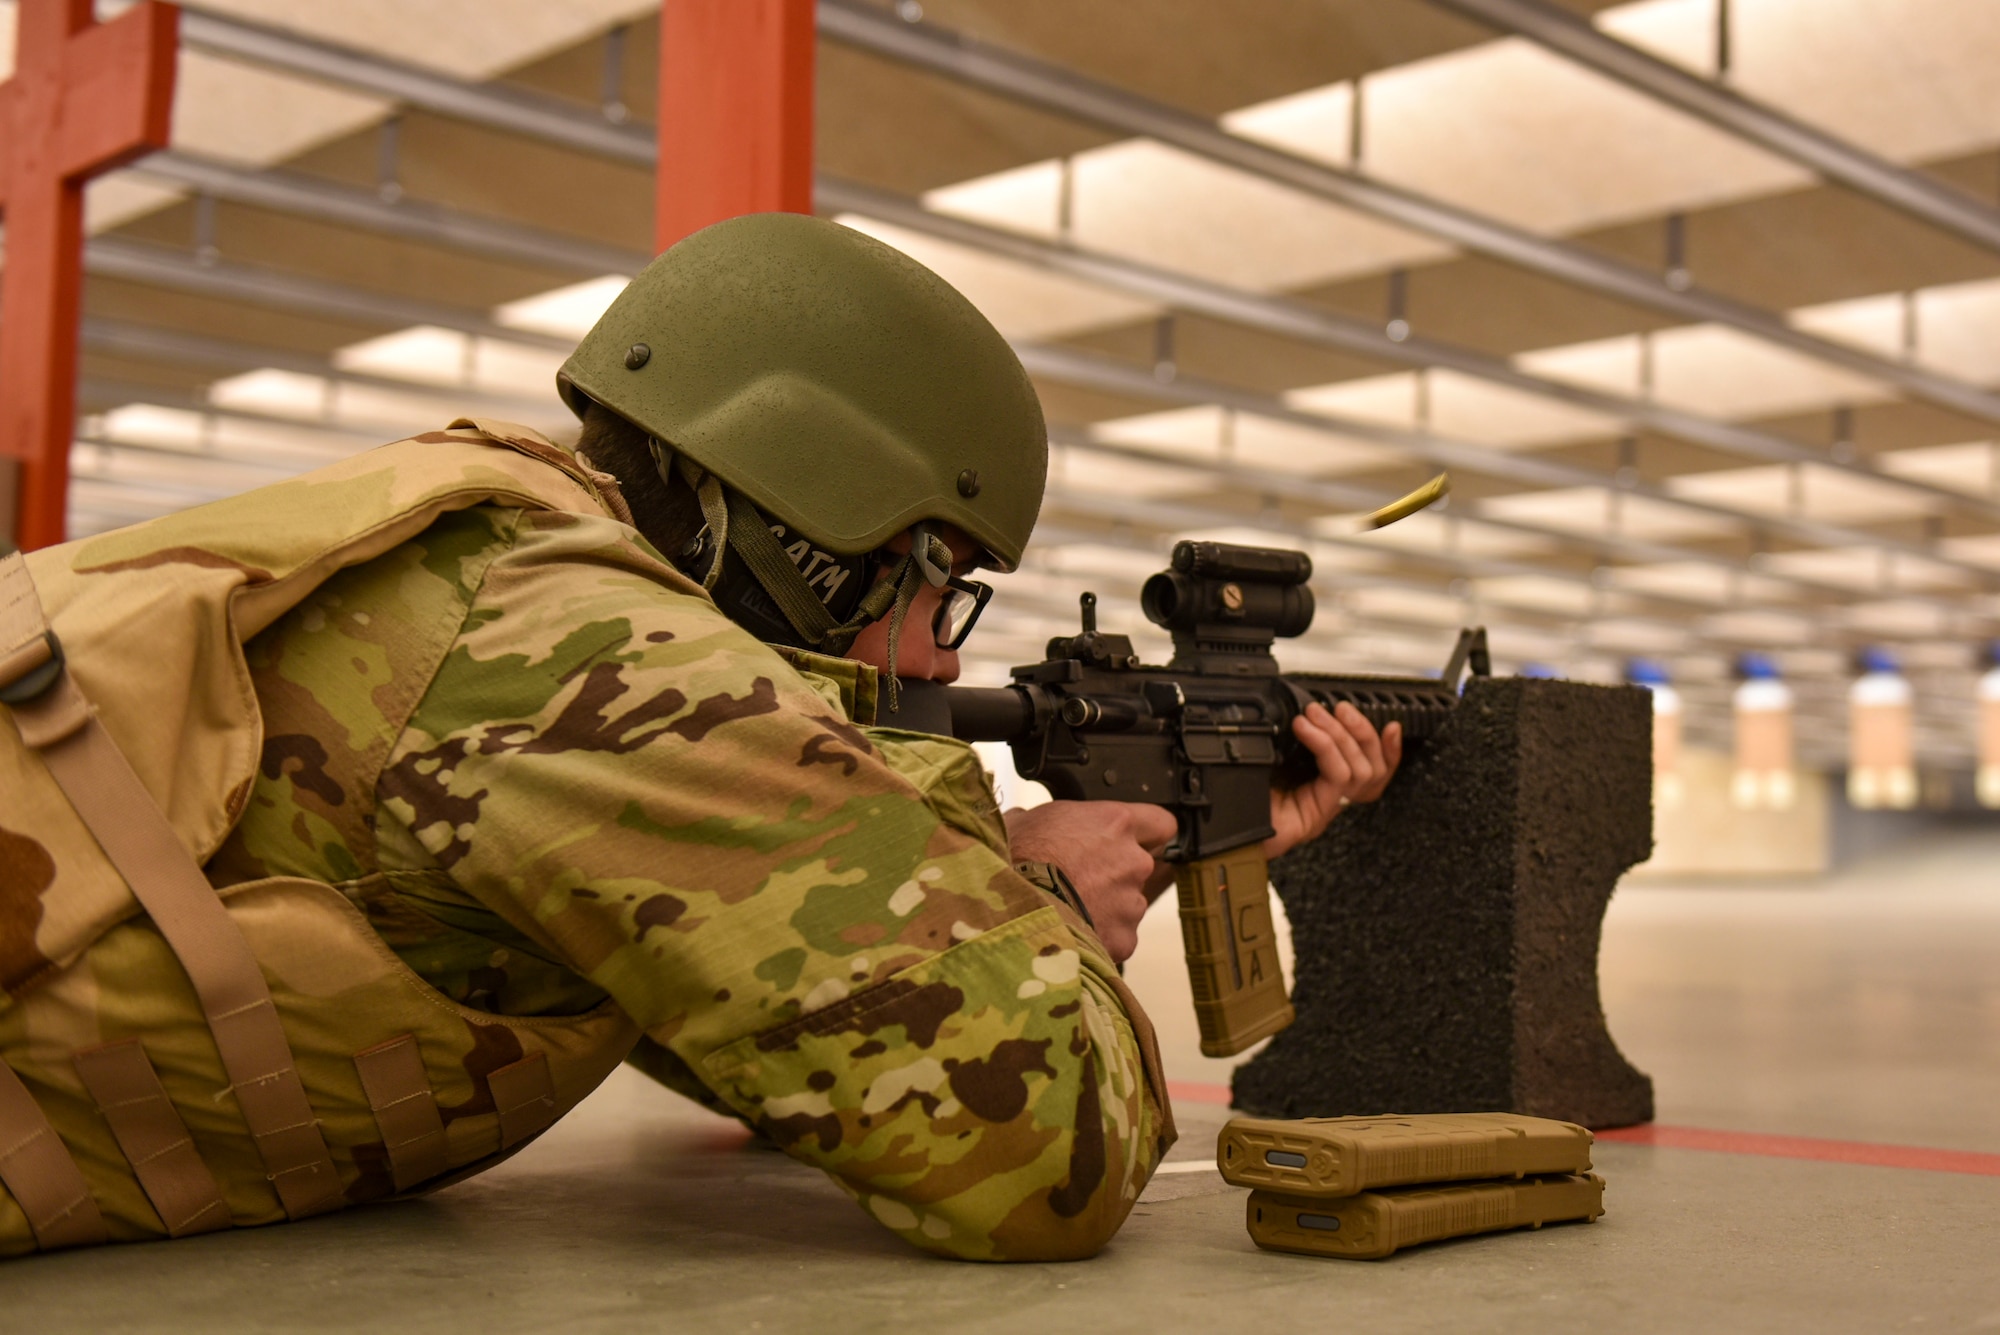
x=447, y=226
x=276, y=289
x=173, y=347
x=1316, y=324
x=411, y=220
x=1167, y=516
x=516, y=111
x=1909, y=192
x=1170, y=516
x=1054, y=88
x=1343, y=496
x=553, y=121
x=1181, y=517
x=1095, y=371
x=153, y=344
x=142, y=262
x=1334, y=493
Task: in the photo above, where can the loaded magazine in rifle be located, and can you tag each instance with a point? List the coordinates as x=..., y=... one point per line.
x=1205, y=736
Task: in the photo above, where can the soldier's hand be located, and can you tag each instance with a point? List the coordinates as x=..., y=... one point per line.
x=1355, y=765
x=1108, y=851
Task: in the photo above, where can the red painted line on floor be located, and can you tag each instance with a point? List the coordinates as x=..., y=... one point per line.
x=1916, y=1157
x=1807, y=1147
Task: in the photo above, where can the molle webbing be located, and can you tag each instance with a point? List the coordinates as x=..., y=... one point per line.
x=40, y=1174
x=406, y=1112
x=59, y=724
x=524, y=1094
x=155, y=1141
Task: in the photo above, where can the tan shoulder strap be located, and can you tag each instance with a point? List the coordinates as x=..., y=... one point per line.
x=56, y=721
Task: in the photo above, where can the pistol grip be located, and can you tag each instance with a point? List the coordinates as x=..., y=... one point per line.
x=1232, y=950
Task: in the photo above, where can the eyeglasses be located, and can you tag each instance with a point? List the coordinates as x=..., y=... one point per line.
x=964, y=600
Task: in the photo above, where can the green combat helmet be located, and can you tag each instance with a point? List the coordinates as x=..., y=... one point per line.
x=822, y=393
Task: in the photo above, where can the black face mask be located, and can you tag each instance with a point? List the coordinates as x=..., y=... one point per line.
x=838, y=582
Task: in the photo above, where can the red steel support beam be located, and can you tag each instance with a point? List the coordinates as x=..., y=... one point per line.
x=85, y=97
x=736, y=112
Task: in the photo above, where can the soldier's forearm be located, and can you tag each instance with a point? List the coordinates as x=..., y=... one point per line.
x=998, y=1102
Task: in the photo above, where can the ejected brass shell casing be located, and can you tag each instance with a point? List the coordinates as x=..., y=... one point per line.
x=1232, y=951
x=1376, y=1224
x=1339, y=1156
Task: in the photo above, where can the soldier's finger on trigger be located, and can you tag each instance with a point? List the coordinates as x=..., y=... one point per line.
x=1150, y=827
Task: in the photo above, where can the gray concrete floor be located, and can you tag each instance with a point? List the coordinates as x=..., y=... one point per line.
x=1865, y=1007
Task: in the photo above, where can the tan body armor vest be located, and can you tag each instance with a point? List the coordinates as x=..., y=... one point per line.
x=176, y=1059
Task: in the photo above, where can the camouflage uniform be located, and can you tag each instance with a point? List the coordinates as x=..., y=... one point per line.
x=558, y=783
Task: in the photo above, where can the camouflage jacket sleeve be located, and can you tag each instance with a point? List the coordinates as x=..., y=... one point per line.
x=816, y=918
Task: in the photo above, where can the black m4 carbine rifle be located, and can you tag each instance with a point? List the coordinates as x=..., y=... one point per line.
x=1207, y=737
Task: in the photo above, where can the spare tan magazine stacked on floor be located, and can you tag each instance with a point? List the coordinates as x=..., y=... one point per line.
x=1364, y=1187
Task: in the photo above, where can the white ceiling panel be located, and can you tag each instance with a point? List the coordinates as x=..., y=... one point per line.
x=182, y=479
x=1286, y=446
x=1149, y=202
x=472, y=38
x=1876, y=323
x=423, y=353
x=1614, y=635
x=1907, y=78
x=1594, y=510
x=207, y=433
x=286, y=393
x=1891, y=618
x=1699, y=581
x=1609, y=364
x=1958, y=330
x=1021, y=199
x=1758, y=626
x=1444, y=533
x=1405, y=605
x=1714, y=370
x=1457, y=406
x=1523, y=134
x=245, y=114
x=1807, y=490
x=1981, y=550
x=1972, y=467
x=1091, y=472
x=564, y=312
x=1543, y=593
x=1477, y=410
x=1389, y=400
x=1021, y=302
x=1129, y=565
x=1223, y=435
x=1865, y=568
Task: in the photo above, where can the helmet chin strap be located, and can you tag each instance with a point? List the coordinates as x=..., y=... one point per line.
x=734, y=524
